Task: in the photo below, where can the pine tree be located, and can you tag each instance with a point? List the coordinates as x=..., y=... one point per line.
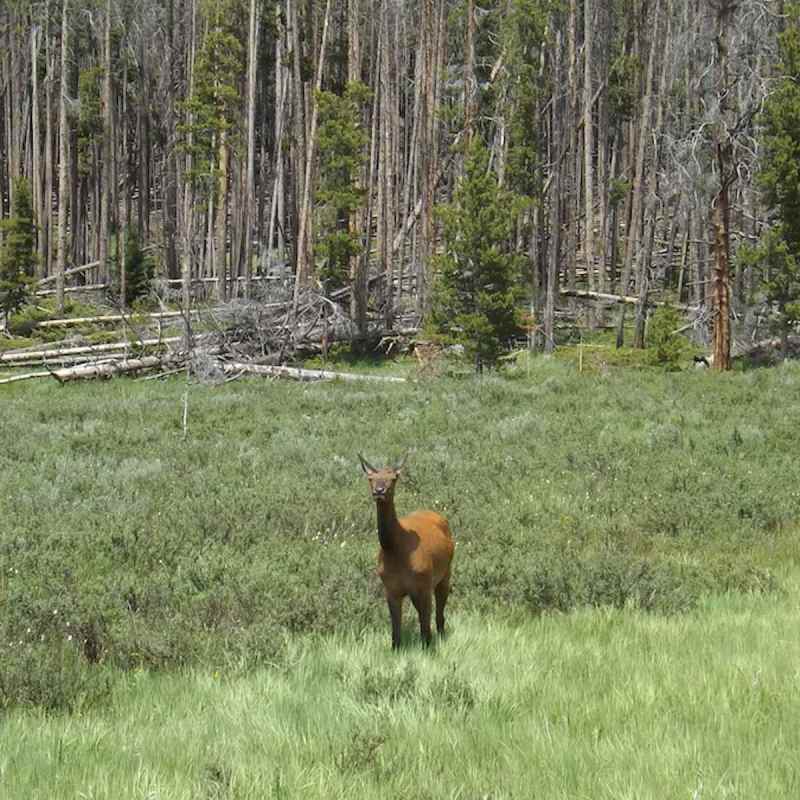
x=477, y=283
x=138, y=268
x=18, y=254
x=779, y=249
x=342, y=140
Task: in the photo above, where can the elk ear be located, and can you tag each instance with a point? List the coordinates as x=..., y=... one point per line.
x=399, y=467
x=365, y=466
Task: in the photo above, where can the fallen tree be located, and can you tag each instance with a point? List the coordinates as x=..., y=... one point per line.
x=71, y=271
x=177, y=362
x=26, y=376
x=89, y=287
x=104, y=318
x=108, y=369
x=297, y=374
x=618, y=298
x=19, y=358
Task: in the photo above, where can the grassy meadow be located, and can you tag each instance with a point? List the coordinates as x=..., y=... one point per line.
x=606, y=704
x=192, y=614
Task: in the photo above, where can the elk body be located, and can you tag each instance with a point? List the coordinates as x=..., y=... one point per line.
x=416, y=552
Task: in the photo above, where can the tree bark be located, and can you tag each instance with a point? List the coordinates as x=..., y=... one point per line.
x=588, y=145
x=108, y=140
x=38, y=204
x=304, y=254
x=250, y=180
x=63, y=188
x=633, y=242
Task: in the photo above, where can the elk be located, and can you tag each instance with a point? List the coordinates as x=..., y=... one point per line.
x=415, y=555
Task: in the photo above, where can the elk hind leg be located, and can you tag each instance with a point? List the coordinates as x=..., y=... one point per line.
x=441, y=591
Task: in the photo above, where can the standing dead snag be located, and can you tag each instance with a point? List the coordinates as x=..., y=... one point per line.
x=415, y=555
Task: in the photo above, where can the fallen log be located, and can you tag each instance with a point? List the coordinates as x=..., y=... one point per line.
x=71, y=271
x=67, y=322
x=238, y=279
x=18, y=357
x=108, y=369
x=89, y=287
x=295, y=373
x=27, y=376
x=617, y=298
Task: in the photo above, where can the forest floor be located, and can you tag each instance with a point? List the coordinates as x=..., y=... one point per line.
x=188, y=604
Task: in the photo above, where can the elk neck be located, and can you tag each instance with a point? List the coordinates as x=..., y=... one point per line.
x=387, y=522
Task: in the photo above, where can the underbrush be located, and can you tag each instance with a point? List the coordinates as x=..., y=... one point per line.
x=125, y=544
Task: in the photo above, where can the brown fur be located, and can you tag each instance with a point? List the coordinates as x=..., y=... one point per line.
x=414, y=558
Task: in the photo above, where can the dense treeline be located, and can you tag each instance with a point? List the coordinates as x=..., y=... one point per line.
x=240, y=138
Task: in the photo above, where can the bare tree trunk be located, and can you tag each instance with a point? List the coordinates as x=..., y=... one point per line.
x=720, y=213
x=299, y=122
x=721, y=283
x=556, y=153
x=250, y=181
x=221, y=227
x=45, y=222
x=304, y=256
x=470, y=81
x=634, y=235
x=572, y=177
x=386, y=171
x=36, y=148
x=428, y=38
x=172, y=158
x=63, y=187
x=588, y=145
x=108, y=140
x=358, y=264
x=277, y=208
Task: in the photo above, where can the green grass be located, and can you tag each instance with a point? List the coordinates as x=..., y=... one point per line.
x=127, y=545
x=597, y=704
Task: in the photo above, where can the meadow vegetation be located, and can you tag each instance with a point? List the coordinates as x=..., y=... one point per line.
x=609, y=704
x=127, y=545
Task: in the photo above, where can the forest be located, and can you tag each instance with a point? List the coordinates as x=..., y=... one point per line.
x=637, y=152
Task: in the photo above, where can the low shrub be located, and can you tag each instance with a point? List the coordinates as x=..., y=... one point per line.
x=125, y=546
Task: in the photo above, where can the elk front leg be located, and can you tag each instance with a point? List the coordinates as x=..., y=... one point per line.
x=396, y=614
x=422, y=602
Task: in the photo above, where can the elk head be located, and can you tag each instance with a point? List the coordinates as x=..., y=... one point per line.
x=382, y=481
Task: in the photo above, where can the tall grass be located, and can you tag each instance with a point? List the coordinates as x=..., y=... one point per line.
x=605, y=704
x=125, y=543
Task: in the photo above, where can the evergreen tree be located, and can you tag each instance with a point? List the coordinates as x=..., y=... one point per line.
x=215, y=105
x=779, y=250
x=18, y=254
x=476, y=290
x=138, y=268
x=342, y=140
